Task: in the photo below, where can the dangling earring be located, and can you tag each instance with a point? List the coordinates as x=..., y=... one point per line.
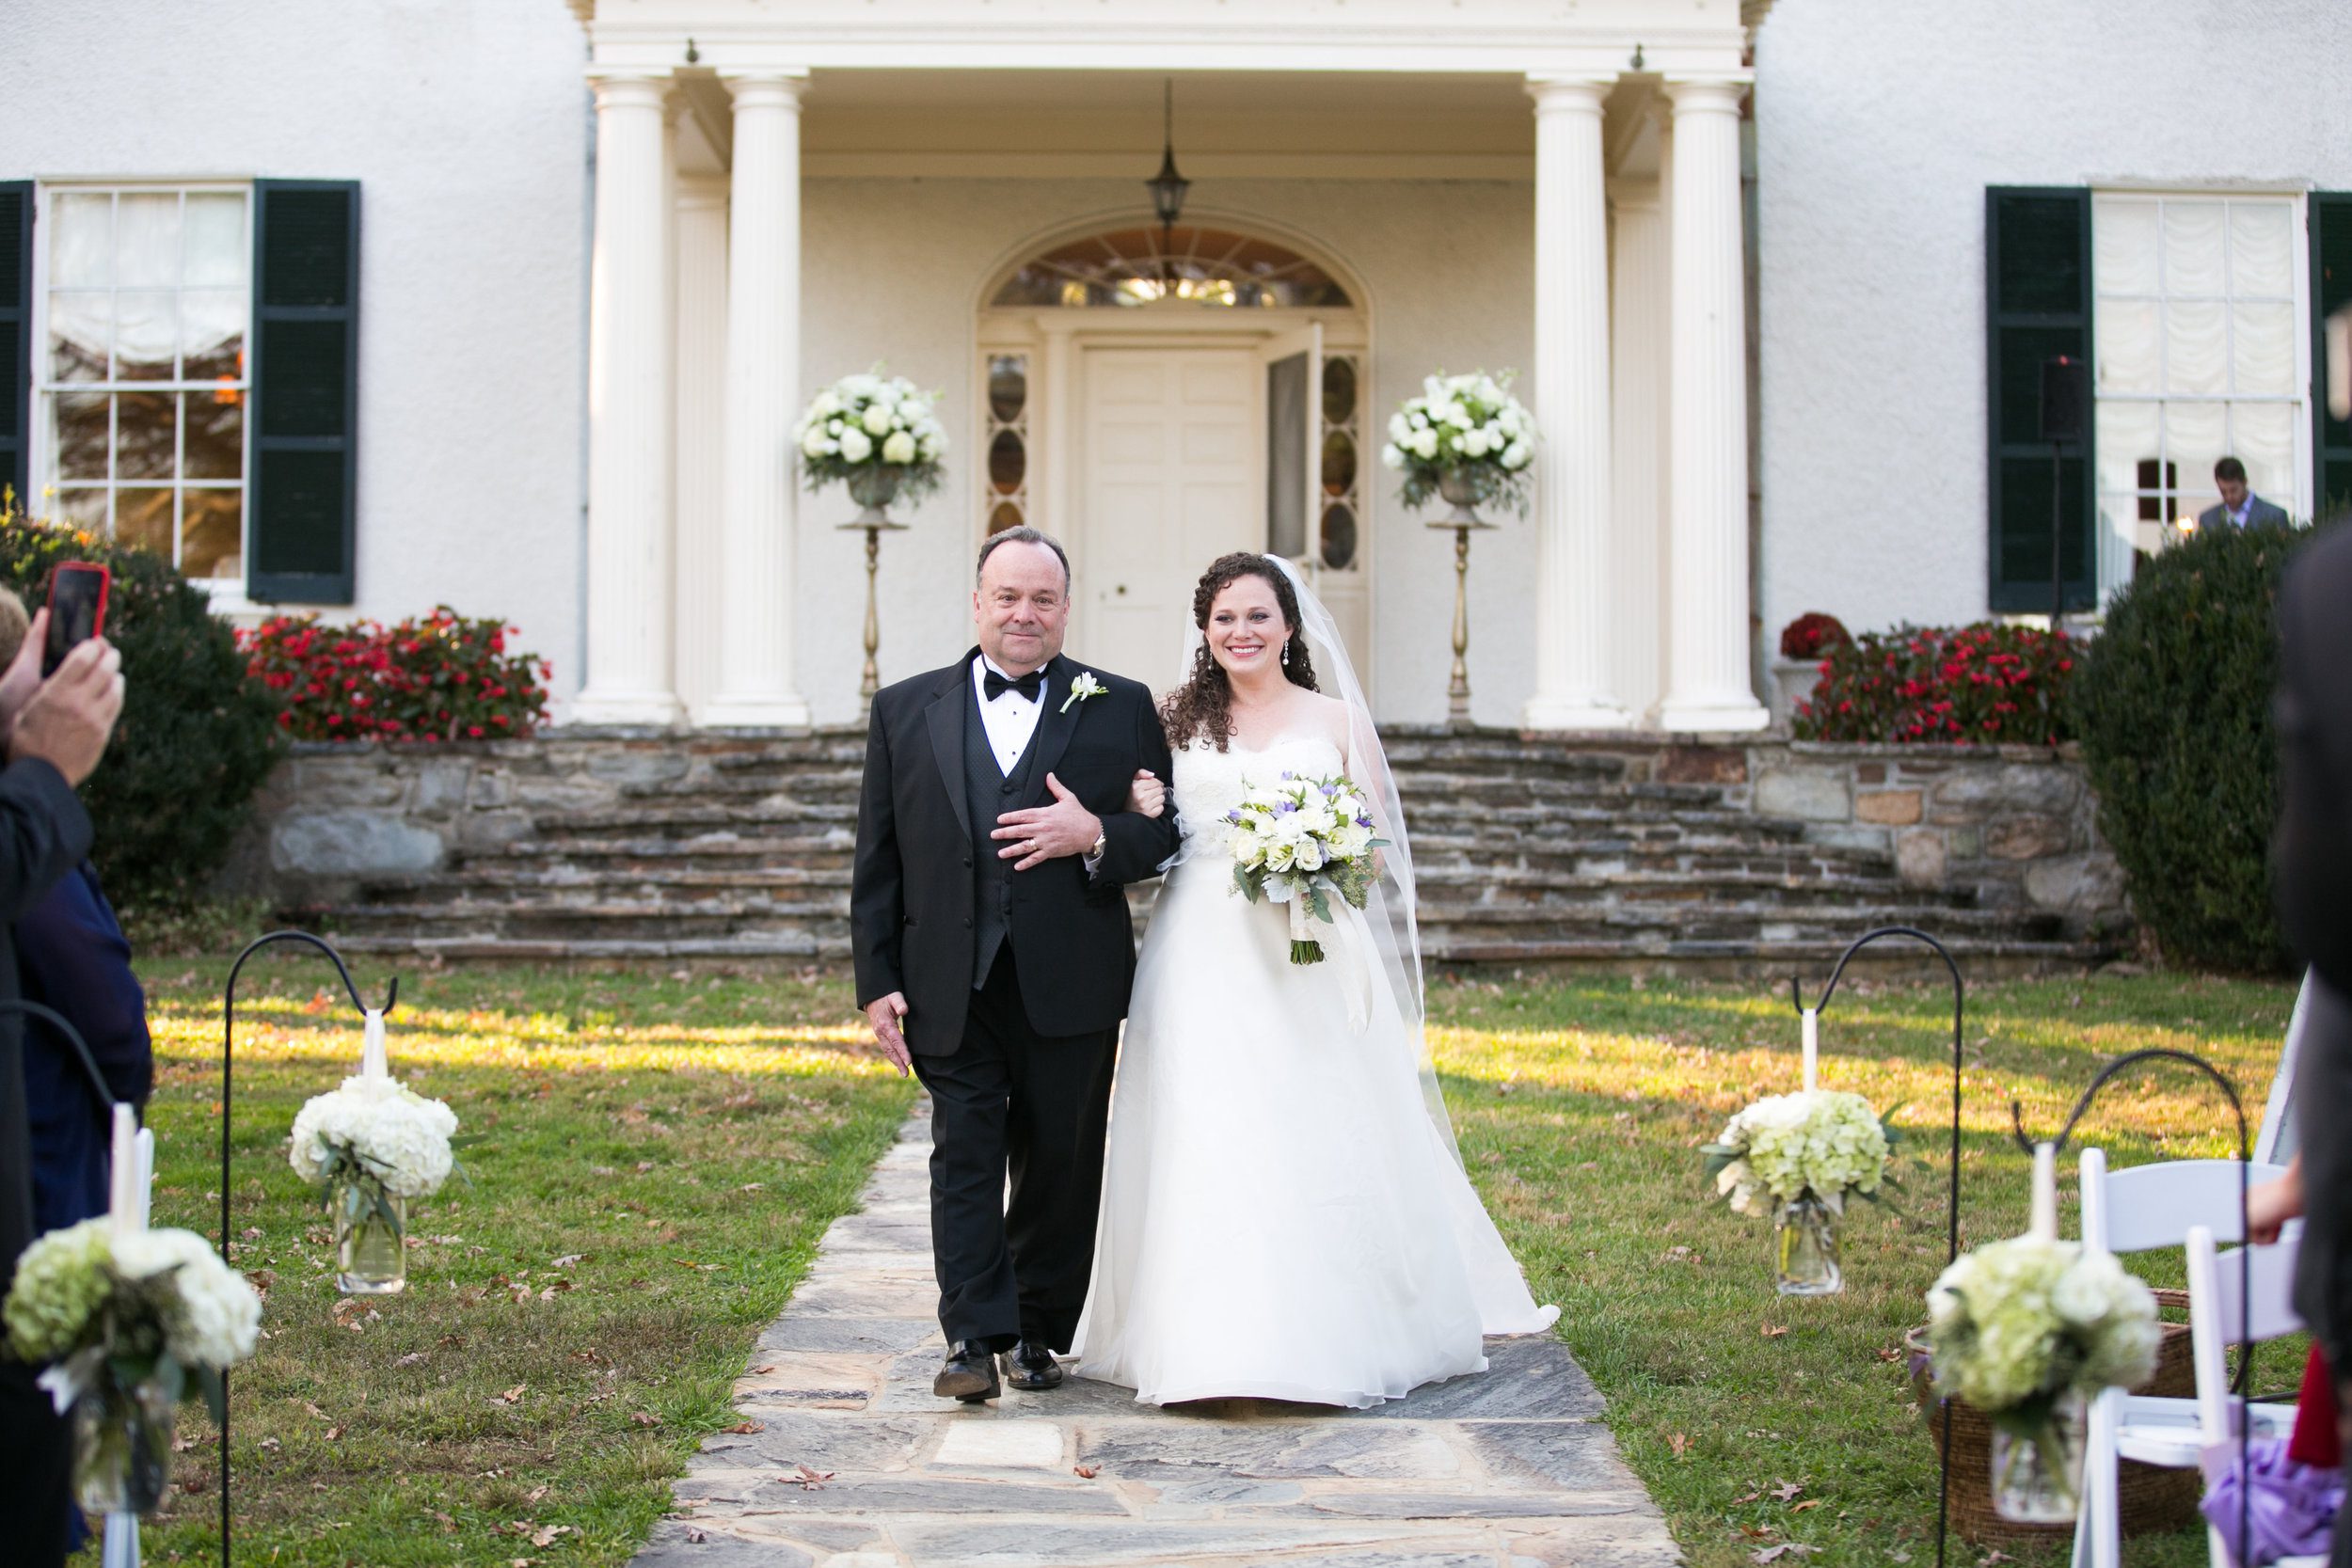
x=1286, y=652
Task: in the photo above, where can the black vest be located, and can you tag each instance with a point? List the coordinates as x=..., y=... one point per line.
x=988, y=792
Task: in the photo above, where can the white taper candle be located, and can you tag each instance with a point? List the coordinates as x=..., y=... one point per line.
x=372, y=1063
x=122, y=1176
x=2043, y=1225
x=1812, y=1049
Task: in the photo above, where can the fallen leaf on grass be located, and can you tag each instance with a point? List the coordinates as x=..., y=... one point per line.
x=1086, y=1472
x=752, y=1187
x=1773, y=1554
x=410, y=1359
x=1774, y=1331
x=569, y=1258
x=1680, y=1443
x=1747, y=1497
x=1809, y=1502
x=645, y=1418
x=448, y=1526
x=535, y=1494
x=745, y=1428
x=512, y=1395
x=545, y=1534
x=270, y=1443
x=333, y=1434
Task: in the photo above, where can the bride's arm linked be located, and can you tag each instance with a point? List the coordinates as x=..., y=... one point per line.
x=1135, y=844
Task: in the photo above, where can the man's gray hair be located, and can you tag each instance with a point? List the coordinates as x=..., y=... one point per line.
x=1023, y=536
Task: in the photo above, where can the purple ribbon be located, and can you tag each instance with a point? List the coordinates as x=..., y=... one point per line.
x=2291, y=1507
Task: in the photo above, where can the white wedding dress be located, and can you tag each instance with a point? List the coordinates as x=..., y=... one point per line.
x=1281, y=1217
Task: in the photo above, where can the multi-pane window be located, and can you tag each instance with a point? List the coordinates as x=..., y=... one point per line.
x=2196, y=333
x=143, y=372
x=1342, y=504
x=1184, y=264
x=1005, y=500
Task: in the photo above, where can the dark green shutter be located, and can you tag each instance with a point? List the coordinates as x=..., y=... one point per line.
x=303, y=493
x=16, y=338
x=2037, y=307
x=2331, y=290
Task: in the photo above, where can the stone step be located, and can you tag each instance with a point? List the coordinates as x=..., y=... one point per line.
x=1982, y=958
x=1456, y=925
x=1572, y=890
x=664, y=815
x=1521, y=788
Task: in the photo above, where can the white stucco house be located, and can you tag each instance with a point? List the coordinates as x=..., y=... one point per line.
x=512, y=304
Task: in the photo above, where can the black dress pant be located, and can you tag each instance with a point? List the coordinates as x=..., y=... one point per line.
x=36, y=1470
x=1013, y=1102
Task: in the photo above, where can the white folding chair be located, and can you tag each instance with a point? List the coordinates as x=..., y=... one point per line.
x=2138, y=1210
x=2221, y=1313
x=2275, y=1142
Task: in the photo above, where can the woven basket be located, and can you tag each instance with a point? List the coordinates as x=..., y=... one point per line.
x=2151, y=1500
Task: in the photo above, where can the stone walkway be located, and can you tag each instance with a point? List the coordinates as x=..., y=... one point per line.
x=1506, y=1470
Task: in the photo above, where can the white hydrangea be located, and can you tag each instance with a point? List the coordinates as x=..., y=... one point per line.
x=1824, y=1142
x=2021, y=1321
x=397, y=1134
x=210, y=1316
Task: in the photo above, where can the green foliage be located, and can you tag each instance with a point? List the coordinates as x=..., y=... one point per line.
x=196, y=739
x=2173, y=706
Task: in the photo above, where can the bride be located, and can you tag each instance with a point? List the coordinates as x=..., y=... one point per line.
x=1283, y=1214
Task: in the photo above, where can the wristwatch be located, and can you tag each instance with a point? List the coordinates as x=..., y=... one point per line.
x=1101, y=842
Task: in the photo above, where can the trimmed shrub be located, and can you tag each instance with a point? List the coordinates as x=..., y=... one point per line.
x=2174, y=710
x=196, y=739
x=1982, y=685
x=444, y=677
x=1812, y=635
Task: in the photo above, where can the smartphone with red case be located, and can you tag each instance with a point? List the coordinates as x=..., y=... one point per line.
x=77, y=610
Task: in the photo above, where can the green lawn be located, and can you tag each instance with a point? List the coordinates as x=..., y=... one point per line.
x=1579, y=1108
x=662, y=1157
x=682, y=1140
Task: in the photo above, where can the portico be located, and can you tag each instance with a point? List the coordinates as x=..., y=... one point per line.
x=782, y=200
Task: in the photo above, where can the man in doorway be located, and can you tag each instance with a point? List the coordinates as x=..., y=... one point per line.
x=2240, y=507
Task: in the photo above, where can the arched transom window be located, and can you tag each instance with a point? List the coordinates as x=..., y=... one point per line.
x=1213, y=267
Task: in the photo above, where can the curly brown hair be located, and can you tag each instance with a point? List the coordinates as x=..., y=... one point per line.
x=1203, y=705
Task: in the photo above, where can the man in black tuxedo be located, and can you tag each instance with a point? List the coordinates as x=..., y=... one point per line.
x=988, y=915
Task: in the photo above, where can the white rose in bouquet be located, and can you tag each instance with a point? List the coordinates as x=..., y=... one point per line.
x=899, y=447
x=877, y=420
x=856, y=446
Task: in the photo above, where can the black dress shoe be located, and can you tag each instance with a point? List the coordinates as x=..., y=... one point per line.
x=1031, y=1368
x=969, y=1373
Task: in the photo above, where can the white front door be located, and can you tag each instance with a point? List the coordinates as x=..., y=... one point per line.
x=1173, y=465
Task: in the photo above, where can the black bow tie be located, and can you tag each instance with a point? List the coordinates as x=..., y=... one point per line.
x=1029, y=686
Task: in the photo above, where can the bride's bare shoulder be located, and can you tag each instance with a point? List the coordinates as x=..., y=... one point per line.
x=1328, y=716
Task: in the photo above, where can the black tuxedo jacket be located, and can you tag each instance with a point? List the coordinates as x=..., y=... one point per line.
x=910, y=896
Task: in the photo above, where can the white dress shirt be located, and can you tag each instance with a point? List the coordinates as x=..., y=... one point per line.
x=1009, y=718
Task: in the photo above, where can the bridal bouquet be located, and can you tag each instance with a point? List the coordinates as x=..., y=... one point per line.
x=1822, y=1144
x=2026, y=1328
x=129, y=1319
x=1297, y=843
x=1466, y=436
x=878, y=434
x=372, y=1145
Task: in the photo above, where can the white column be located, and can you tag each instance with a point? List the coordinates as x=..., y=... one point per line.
x=1708, y=683
x=702, y=373
x=629, y=414
x=760, y=536
x=1638, y=350
x=1573, y=686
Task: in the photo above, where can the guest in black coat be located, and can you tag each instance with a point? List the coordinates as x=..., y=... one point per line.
x=72, y=957
x=2313, y=850
x=54, y=732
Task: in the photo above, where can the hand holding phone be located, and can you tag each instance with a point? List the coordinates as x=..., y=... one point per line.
x=77, y=610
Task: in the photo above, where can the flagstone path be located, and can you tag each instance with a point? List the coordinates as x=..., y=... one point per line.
x=1511, y=1469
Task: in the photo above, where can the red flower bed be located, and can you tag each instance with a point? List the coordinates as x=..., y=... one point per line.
x=1982, y=685
x=1812, y=635
x=442, y=678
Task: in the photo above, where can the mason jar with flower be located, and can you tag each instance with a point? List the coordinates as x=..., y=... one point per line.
x=1795, y=1157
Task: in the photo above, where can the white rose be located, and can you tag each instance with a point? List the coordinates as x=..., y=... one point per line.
x=899, y=448
x=1392, y=455
x=813, y=442
x=856, y=446
x=1424, y=443
x=1473, y=443
x=877, y=420
x=1515, y=455
x=826, y=404
x=1399, y=427
x=930, y=446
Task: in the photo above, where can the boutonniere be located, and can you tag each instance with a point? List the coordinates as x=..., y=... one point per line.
x=1085, y=686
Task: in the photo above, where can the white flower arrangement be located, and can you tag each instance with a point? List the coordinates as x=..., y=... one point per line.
x=116, y=1310
x=1298, y=842
x=1784, y=1147
x=863, y=423
x=375, y=1131
x=1467, y=425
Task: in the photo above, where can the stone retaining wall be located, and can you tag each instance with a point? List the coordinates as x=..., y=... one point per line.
x=2012, y=824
